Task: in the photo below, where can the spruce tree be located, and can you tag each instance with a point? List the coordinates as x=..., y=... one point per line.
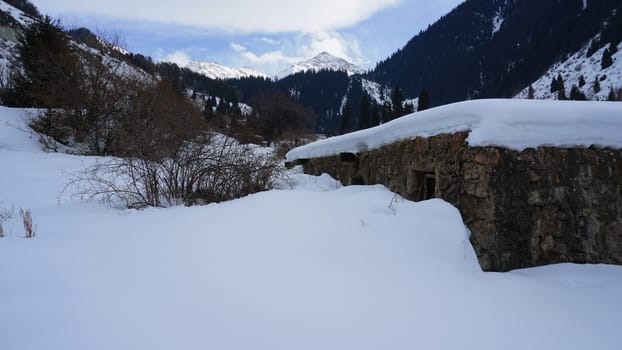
x=364, y=119
x=612, y=95
x=346, y=125
x=424, y=100
x=576, y=94
x=397, y=99
x=606, y=61
x=554, y=85
x=51, y=74
x=613, y=48
x=387, y=112
x=593, y=48
x=561, y=95
x=581, y=81
x=375, y=114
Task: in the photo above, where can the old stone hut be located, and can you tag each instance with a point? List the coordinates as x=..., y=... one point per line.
x=536, y=182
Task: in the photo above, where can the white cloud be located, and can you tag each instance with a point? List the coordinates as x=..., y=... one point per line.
x=179, y=57
x=298, y=48
x=266, y=16
x=268, y=41
x=237, y=47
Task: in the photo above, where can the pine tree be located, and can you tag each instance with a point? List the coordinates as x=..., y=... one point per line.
x=50, y=75
x=554, y=85
x=576, y=94
x=364, y=119
x=530, y=92
x=581, y=81
x=346, y=125
x=613, y=48
x=375, y=114
x=606, y=61
x=612, y=95
x=397, y=99
x=561, y=95
x=387, y=112
x=424, y=100
x=593, y=48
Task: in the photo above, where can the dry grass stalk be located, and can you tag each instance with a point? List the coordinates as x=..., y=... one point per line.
x=27, y=219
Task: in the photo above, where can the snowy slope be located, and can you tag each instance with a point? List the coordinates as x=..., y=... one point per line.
x=579, y=65
x=314, y=267
x=22, y=18
x=515, y=124
x=216, y=71
x=323, y=61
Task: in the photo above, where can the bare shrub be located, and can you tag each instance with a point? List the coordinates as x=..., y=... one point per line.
x=26, y=216
x=4, y=216
x=211, y=168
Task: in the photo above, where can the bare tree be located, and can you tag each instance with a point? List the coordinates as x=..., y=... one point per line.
x=275, y=115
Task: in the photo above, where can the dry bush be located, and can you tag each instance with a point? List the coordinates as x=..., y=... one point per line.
x=26, y=216
x=4, y=216
x=211, y=168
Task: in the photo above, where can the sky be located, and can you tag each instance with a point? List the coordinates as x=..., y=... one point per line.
x=266, y=35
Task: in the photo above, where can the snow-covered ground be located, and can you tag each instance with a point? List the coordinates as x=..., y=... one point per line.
x=311, y=266
x=515, y=124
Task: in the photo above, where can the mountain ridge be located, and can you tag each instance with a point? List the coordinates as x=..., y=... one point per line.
x=217, y=71
x=322, y=61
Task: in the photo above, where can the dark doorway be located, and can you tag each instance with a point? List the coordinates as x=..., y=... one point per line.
x=425, y=185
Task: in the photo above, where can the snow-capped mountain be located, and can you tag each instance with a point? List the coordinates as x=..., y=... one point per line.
x=323, y=61
x=583, y=72
x=216, y=71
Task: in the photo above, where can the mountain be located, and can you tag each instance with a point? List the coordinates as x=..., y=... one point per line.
x=497, y=48
x=216, y=71
x=323, y=61
x=581, y=71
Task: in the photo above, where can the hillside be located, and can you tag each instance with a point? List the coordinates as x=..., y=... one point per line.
x=496, y=48
x=583, y=72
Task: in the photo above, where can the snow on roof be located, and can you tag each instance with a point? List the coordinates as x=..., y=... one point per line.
x=514, y=124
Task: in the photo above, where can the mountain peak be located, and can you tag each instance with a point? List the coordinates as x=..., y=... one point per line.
x=323, y=61
x=216, y=71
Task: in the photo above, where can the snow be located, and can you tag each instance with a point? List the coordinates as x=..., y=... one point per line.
x=17, y=14
x=313, y=265
x=497, y=22
x=216, y=71
x=375, y=91
x=323, y=61
x=514, y=124
x=573, y=68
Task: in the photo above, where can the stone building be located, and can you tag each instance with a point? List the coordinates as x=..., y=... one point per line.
x=529, y=207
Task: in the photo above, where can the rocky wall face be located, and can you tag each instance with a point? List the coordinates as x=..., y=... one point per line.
x=536, y=207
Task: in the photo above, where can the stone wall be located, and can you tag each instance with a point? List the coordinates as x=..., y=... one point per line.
x=536, y=207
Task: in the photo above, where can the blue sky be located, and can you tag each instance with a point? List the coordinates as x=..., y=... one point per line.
x=267, y=35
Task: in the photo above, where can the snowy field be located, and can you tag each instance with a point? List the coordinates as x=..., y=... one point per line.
x=311, y=266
